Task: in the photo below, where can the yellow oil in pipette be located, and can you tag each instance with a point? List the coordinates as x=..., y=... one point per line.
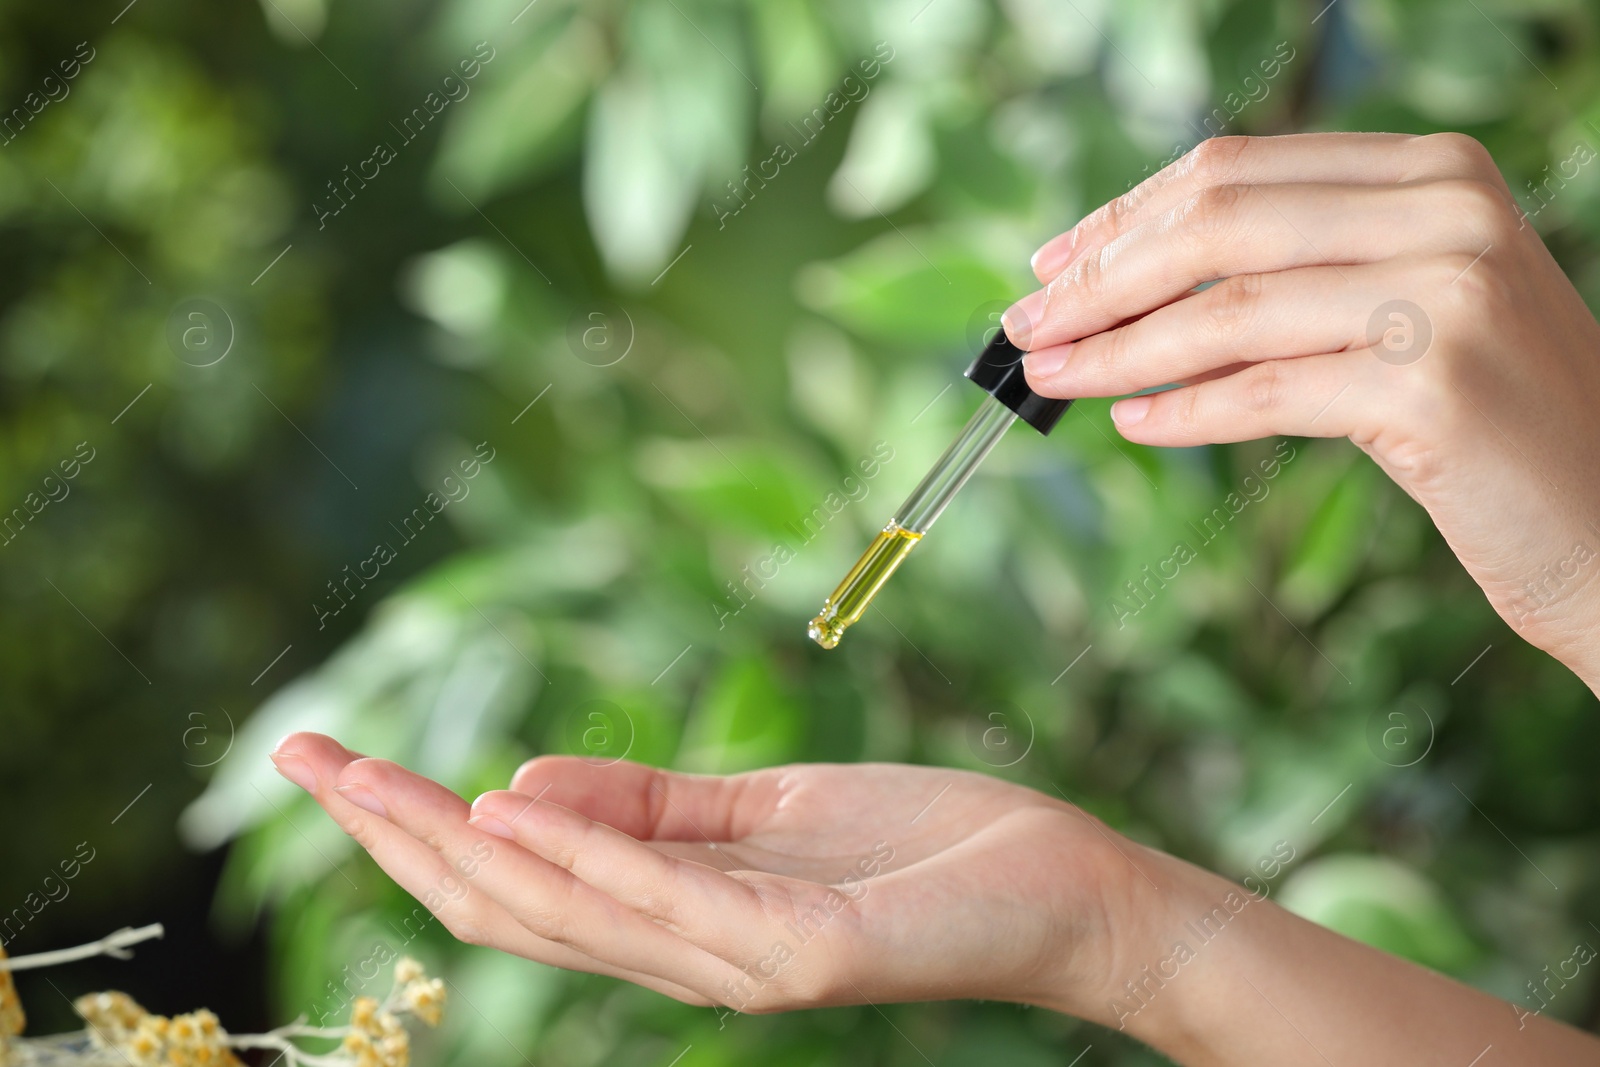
x=849, y=602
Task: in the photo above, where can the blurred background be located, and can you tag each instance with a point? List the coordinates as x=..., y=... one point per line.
x=669, y=270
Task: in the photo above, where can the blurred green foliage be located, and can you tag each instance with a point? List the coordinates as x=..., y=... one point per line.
x=587, y=181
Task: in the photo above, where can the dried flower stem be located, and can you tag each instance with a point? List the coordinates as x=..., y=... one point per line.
x=296, y=1030
x=292, y=1054
x=114, y=944
x=122, y=1032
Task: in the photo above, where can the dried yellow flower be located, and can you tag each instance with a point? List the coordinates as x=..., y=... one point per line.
x=378, y=1038
x=121, y=1031
x=395, y=1050
x=12, y=1019
x=112, y=1017
x=117, y=1022
x=425, y=998
x=143, y=1046
x=201, y=1038
x=362, y=1012
x=370, y=1050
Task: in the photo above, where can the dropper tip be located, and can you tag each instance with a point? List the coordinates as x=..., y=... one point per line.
x=825, y=630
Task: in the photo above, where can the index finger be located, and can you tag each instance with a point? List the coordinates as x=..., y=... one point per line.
x=1228, y=230
x=651, y=804
x=1333, y=158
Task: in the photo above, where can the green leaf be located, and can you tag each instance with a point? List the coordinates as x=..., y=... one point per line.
x=798, y=65
x=1194, y=694
x=426, y=682
x=744, y=721
x=731, y=485
x=461, y=287
x=1334, y=544
x=911, y=286
x=513, y=124
x=890, y=156
x=670, y=124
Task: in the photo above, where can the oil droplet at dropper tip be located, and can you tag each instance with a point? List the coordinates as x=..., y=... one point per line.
x=822, y=631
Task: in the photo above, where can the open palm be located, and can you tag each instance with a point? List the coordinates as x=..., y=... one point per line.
x=790, y=887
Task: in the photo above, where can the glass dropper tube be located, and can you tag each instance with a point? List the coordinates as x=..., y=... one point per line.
x=913, y=519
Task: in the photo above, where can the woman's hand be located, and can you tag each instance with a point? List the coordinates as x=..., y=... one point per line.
x=1376, y=286
x=815, y=885
x=793, y=887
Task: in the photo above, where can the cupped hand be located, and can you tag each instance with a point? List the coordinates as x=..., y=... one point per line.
x=797, y=886
x=1380, y=287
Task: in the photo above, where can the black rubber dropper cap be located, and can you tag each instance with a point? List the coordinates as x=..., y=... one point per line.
x=998, y=369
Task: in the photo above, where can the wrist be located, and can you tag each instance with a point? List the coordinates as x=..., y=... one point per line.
x=1147, y=899
x=1170, y=1000
x=1175, y=932
x=1158, y=991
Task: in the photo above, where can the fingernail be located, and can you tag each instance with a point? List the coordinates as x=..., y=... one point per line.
x=296, y=770
x=1054, y=255
x=1130, y=412
x=1020, y=318
x=1044, y=362
x=491, y=825
x=363, y=798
